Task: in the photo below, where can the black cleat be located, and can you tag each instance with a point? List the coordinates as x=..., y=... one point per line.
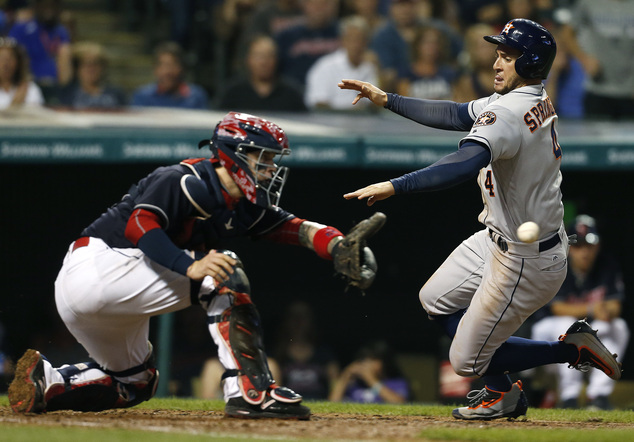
x=592, y=352
x=270, y=408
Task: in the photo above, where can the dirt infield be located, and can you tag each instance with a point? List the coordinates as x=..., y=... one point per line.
x=321, y=426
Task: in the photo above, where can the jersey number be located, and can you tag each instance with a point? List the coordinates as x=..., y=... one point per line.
x=488, y=183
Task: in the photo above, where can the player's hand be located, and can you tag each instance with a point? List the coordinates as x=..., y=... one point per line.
x=374, y=192
x=366, y=90
x=215, y=264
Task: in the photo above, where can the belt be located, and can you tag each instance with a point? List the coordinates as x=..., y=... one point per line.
x=543, y=246
x=81, y=242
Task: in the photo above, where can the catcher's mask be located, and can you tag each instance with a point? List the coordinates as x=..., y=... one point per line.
x=247, y=146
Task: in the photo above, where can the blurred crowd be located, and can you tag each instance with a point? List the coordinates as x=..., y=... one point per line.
x=288, y=55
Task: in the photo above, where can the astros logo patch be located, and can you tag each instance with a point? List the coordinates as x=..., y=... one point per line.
x=485, y=119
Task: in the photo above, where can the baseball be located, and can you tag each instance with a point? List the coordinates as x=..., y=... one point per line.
x=528, y=232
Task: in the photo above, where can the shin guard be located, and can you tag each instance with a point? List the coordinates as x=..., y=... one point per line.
x=241, y=333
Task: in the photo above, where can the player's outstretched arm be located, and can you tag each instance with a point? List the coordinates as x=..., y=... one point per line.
x=374, y=192
x=366, y=90
x=215, y=264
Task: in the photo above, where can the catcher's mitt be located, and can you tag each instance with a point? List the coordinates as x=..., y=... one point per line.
x=353, y=261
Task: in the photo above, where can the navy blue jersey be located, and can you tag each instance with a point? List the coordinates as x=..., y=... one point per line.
x=161, y=193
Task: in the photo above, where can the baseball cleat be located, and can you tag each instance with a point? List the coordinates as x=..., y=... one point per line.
x=26, y=392
x=270, y=408
x=592, y=352
x=489, y=404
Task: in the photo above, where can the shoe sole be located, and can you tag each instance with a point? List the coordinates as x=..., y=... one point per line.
x=302, y=413
x=596, y=352
x=265, y=415
x=24, y=395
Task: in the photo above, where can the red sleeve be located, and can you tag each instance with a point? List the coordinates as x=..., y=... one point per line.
x=287, y=232
x=140, y=222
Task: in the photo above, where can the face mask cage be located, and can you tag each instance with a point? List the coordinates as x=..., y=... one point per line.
x=269, y=176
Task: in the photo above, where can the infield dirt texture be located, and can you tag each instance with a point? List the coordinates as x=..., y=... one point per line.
x=434, y=423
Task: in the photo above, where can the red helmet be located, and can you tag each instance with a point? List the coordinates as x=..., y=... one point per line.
x=239, y=134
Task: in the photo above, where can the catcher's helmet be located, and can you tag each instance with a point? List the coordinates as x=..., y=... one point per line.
x=536, y=43
x=239, y=134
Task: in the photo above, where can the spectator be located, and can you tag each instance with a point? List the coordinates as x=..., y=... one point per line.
x=394, y=42
x=16, y=87
x=300, y=46
x=90, y=89
x=307, y=366
x=270, y=18
x=490, y=12
x=230, y=23
x=369, y=10
x=48, y=44
x=601, y=36
x=476, y=79
x=373, y=377
x=430, y=75
x=593, y=289
x=262, y=88
x=170, y=88
x=353, y=60
x=565, y=85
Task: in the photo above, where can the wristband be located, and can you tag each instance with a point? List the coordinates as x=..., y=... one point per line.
x=322, y=239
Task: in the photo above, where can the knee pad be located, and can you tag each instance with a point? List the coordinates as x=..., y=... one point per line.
x=201, y=293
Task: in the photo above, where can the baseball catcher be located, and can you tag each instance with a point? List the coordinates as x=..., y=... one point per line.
x=155, y=252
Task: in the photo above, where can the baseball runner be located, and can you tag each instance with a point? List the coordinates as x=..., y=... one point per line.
x=152, y=253
x=492, y=282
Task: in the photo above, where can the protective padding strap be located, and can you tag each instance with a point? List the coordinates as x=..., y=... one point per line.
x=148, y=364
x=245, y=338
x=322, y=239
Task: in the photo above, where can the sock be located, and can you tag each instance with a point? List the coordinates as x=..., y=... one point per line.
x=500, y=382
x=518, y=354
x=449, y=323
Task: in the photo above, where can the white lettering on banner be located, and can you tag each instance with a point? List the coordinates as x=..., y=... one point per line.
x=315, y=154
x=10, y=150
x=616, y=156
x=374, y=155
x=428, y=156
x=142, y=150
x=185, y=150
x=56, y=150
x=63, y=150
x=579, y=158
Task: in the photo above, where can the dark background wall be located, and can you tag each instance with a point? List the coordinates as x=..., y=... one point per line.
x=44, y=208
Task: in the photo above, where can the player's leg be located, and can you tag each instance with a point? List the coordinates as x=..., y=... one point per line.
x=448, y=292
x=105, y=298
x=234, y=323
x=499, y=306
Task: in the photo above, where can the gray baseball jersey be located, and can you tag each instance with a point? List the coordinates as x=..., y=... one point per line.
x=522, y=182
x=501, y=286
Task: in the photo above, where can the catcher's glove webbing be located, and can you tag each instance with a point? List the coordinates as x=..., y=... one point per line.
x=353, y=260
